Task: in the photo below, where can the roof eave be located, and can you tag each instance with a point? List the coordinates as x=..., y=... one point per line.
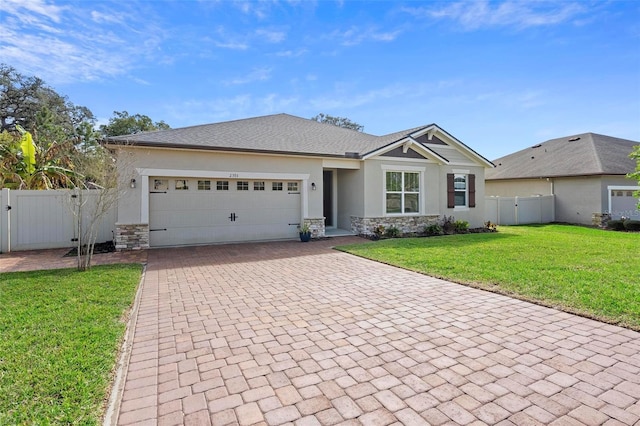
x=111, y=142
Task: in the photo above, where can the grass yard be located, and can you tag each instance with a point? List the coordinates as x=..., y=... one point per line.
x=61, y=331
x=573, y=268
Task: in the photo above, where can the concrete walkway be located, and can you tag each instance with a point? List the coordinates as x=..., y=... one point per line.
x=292, y=333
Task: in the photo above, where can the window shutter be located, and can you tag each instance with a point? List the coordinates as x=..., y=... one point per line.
x=451, y=199
x=472, y=190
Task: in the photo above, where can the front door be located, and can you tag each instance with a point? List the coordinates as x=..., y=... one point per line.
x=327, y=185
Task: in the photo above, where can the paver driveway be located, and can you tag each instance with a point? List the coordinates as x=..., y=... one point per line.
x=300, y=334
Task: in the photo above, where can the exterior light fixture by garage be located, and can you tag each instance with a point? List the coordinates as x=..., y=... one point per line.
x=133, y=183
x=313, y=186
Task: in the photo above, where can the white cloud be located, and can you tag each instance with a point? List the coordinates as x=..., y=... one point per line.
x=271, y=36
x=67, y=44
x=356, y=35
x=518, y=14
x=260, y=74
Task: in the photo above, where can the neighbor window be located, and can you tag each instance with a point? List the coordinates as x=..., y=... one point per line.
x=402, y=192
x=242, y=185
x=276, y=186
x=258, y=186
x=204, y=185
x=222, y=185
x=292, y=186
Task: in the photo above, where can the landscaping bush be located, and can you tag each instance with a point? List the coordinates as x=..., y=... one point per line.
x=461, y=226
x=490, y=226
x=616, y=225
x=378, y=232
x=433, y=230
x=392, y=232
x=631, y=225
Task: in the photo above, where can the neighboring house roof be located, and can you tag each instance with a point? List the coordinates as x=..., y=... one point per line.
x=586, y=154
x=279, y=133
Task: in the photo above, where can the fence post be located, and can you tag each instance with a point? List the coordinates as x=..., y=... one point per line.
x=5, y=222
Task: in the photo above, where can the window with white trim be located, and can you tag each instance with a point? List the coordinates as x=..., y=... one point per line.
x=258, y=186
x=222, y=185
x=402, y=192
x=460, y=190
x=242, y=185
x=204, y=185
x=292, y=186
x=276, y=186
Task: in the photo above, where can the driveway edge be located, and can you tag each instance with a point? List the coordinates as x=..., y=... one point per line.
x=117, y=388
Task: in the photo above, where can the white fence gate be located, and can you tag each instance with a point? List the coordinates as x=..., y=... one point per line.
x=31, y=220
x=520, y=210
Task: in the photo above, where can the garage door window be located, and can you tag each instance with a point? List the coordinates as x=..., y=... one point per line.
x=222, y=185
x=292, y=186
x=204, y=185
x=160, y=184
x=181, y=185
x=276, y=186
x=242, y=185
x=258, y=186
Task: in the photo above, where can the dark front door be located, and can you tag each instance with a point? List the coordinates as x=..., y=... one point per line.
x=327, y=185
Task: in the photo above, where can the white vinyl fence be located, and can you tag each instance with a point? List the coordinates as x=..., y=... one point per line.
x=520, y=210
x=31, y=220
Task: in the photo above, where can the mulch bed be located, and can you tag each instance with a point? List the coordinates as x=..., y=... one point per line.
x=98, y=248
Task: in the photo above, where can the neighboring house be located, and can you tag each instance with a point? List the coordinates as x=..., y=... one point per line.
x=260, y=178
x=585, y=173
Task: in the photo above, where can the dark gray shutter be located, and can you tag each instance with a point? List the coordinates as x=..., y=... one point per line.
x=451, y=196
x=471, y=182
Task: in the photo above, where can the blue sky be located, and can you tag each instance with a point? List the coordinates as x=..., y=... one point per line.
x=500, y=76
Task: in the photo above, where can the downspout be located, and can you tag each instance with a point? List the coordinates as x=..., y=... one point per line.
x=553, y=209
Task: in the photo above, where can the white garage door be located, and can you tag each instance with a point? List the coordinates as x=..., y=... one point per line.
x=200, y=211
x=624, y=203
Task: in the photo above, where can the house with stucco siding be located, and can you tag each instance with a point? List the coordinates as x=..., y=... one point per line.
x=586, y=174
x=261, y=178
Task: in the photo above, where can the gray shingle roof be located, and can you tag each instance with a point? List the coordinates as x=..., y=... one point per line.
x=280, y=133
x=585, y=154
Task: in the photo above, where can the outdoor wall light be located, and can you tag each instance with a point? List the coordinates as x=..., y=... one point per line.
x=313, y=186
x=133, y=183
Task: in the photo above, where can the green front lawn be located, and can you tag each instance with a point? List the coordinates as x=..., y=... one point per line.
x=577, y=269
x=60, y=334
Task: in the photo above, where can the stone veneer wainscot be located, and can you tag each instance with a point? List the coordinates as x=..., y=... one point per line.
x=406, y=224
x=132, y=236
x=316, y=224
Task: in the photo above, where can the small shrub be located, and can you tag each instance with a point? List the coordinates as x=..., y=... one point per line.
x=378, y=231
x=490, y=226
x=432, y=230
x=616, y=225
x=631, y=225
x=461, y=226
x=392, y=232
x=447, y=225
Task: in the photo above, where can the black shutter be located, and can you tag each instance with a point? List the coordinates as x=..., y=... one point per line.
x=471, y=181
x=451, y=196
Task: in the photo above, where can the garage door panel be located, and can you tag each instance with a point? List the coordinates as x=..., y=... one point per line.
x=192, y=216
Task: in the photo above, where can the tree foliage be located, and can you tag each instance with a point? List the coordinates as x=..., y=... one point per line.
x=124, y=124
x=635, y=154
x=338, y=121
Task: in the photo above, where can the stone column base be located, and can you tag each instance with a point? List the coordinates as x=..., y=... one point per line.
x=316, y=224
x=132, y=236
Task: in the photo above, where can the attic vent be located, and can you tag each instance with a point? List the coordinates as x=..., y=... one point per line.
x=537, y=146
x=577, y=138
x=351, y=154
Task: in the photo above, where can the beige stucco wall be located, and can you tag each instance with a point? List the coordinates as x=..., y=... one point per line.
x=518, y=187
x=350, y=196
x=129, y=207
x=434, y=184
x=476, y=215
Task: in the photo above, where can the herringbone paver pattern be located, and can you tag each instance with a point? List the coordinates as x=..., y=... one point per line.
x=291, y=333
